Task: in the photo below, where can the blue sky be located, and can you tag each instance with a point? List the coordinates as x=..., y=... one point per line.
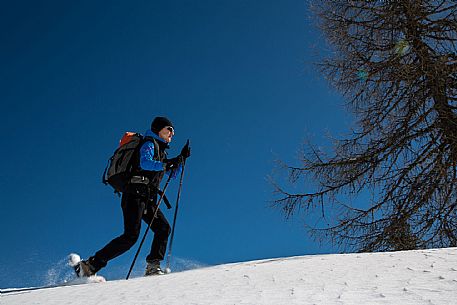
x=235, y=77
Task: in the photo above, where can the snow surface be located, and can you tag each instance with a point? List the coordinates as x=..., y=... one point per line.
x=407, y=277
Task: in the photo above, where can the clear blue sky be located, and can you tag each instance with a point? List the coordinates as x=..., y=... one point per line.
x=234, y=76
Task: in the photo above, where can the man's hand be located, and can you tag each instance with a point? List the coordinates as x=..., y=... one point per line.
x=185, y=151
x=172, y=163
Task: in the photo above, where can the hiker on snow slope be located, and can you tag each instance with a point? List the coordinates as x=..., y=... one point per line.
x=139, y=200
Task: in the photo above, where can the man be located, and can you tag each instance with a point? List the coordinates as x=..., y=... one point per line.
x=140, y=199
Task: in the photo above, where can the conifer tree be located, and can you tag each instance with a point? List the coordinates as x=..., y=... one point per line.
x=395, y=63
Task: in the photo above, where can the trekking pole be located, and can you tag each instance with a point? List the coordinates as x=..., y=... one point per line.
x=149, y=226
x=174, y=218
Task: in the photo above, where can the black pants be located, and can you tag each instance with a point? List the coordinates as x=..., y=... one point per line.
x=135, y=209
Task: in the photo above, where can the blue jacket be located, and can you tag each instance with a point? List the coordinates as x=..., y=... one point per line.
x=147, y=161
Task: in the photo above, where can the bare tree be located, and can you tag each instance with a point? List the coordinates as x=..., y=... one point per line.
x=395, y=62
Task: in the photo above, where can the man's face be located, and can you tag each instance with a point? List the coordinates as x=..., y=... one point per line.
x=167, y=133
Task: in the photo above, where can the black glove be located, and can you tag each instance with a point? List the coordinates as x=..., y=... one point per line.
x=185, y=151
x=172, y=163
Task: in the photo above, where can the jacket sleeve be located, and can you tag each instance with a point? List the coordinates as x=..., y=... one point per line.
x=147, y=161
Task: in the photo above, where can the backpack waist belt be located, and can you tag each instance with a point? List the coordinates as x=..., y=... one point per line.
x=145, y=180
x=139, y=180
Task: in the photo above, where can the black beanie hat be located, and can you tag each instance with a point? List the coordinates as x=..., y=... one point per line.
x=160, y=122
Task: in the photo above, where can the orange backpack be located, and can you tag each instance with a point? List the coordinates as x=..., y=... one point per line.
x=119, y=169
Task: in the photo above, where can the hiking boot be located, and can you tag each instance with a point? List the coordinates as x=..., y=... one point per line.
x=153, y=268
x=85, y=269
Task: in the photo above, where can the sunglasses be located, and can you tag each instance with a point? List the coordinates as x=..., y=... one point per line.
x=169, y=128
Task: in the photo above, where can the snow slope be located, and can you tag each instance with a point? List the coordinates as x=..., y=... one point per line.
x=409, y=277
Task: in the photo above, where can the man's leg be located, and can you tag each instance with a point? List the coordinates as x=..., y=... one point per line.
x=161, y=229
x=132, y=209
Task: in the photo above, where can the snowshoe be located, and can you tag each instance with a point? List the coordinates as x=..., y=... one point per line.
x=82, y=268
x=153, y=268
